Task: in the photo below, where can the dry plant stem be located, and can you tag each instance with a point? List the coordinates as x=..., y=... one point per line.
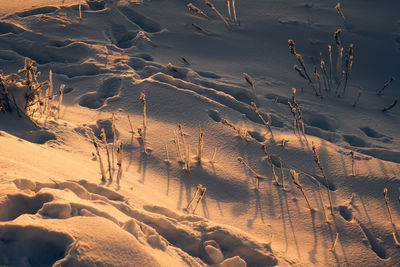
x=353, y=169
x=242, y=133
x=318, y=162
x=104, y=139
x=324, y=73
x=349, y=65
x=228, y=4
x=390, y=216
x=114, y=147
x=200, y=145
x=330, y=65
x=264, y=147
x=202, y=193
x=199, y=186
x=130, y=125
x=295, y=178
x=188, y=157
x=218, y=13
x=167, y=154
x=303, y=71
x=50, y=96
x=391, y=105
x=256, y=175
x=237, y=22
x=282, y=174
x=143, y=100
x=340, y=12
x=178, y=146
x=103, y=173
x=323, y=204
x=80, y=11
x=267, y=124
x=185, y=147
x=295, y=121
x=119, y=162
x=339, y=51
x=335, y=242
x=385, y=86
x=319, y=80
x=197, y=10
x=61, y=93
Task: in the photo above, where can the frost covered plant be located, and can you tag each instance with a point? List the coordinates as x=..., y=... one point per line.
x=267, y=124
x=295, y=179
x=385, y=191
x=303, y=71
x=318, y=162
x=22, y=94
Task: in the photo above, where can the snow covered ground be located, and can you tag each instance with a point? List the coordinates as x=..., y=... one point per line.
x=54, y=208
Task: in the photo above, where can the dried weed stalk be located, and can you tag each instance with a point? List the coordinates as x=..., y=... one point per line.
x=256, y=175
x=212, y=6
x=103, y=172
x=295, y=179
x=303, y=71
x=318, y=162
x=104, y=139
x=267, y=124
x=390, y=216
x=264, y=147
x=196, y=10
x=240, y=131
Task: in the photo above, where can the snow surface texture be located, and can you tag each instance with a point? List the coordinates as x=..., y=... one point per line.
x=55, y=211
